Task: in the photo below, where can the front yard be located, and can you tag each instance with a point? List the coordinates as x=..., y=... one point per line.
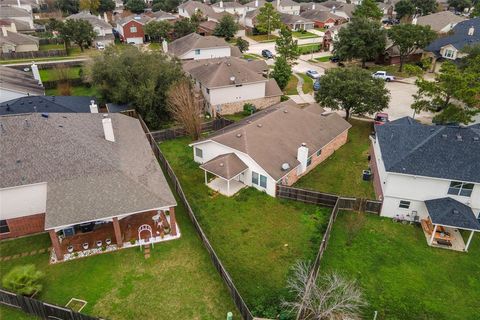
x=307, y=86
x=263, y=38
x=257, y=237
x=291, y=87
x=401, y=276
x=342, y=172
x=178, y=281
x=303, y=35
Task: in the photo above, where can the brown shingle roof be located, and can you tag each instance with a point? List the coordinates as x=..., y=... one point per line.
x=320, y=15
x=20, y=81
x=438, y=21
x=227, y=166
x=194, y=41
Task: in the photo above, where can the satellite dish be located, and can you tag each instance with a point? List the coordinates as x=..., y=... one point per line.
x=285, y=166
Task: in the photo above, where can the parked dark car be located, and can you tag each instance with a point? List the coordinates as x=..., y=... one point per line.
x=267, y=54
x=316, y=85
x=334, y=59
x=381, y=118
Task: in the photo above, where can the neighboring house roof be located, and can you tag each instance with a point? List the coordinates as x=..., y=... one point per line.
x=347, y=8
x=20, y=25
x=459, y=37
x=219, y=72
x=192, y=6
x=13, y=12
x=261, y=3
x=272, y=89
x=208, y=25
x=49, y=104
x=162, y=15
x=286, y=3
x=452, y=213
x=94, y=20
x=19, y=81
x=194, y=41
x=114, y=107
x=445, y=152
x=140, y=18
x=88, y=177
x=271, y=137
x=310, y=5
x=440, y=20
x=227, y=166
x=31, y=3
x=16, y=39
x=394, y=50
x=228, y=4
x=320, y=15
x=289, y=19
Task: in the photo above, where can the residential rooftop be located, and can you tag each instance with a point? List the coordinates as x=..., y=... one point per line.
x=194, y=41
x=439, y=20
x=41, y=104
x=19, y=81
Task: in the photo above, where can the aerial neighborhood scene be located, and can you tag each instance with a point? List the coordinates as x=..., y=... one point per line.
x=265, y=159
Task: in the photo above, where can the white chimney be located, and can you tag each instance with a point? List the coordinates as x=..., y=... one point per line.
x=313, y=6
x=93, y=107
x=471, y=31
x=256, y=3
x=221, y=3
x=108, y=129
x=19, y=4
x=105, y=17
x=4, y=31
x=36, y=74
x=278, y=3
x=302, y=157
x=165, y=45
x=13, y=27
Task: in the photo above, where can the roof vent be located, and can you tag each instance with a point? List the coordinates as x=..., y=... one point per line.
x=27, y=124
x=239, y=135
x=455, y=211
x=259, y=125
x=232, y=79
x=221, y=164
x=285, y=111
x=444, y=136
x=459, y=137
x=285, y=166
x=476, y=139
x=44, y=115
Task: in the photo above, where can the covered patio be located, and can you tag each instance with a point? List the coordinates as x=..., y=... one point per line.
x=229, y=170
x=446, y=218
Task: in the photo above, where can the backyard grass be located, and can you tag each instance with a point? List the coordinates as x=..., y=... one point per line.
x=24, y=244
x=304, y=35
x=307, y=86
x=257, y=237
x=252, y=56
x=341, y=173
x=401, y=276
x=76, y=91
x=291, y=87
x=53, y=74
x=263, y=38
x=236, y=116
x=52, y=46
x=323, y=59
x=177, y=282
x=309, y=48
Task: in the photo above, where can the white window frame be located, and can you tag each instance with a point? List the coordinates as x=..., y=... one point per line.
x=198, y=153
x=133, y=29
x=404, y=204
x=460, y=188
x=449, y=53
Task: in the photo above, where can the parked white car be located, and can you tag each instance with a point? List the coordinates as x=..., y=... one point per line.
x=100, y=46
x=383, y=75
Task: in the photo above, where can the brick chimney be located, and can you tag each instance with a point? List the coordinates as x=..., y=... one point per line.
x=302, y=157
x=108, y=128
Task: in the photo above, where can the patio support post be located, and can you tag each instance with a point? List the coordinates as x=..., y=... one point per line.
x=469, y=240
x=433, y=234
x=206, y=181
x=118, y=232
x=228, y=187
x=173, y=221
x=55, y=244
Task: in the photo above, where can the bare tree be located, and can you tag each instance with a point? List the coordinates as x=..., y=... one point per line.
x=331, y=297
x=184, y=108
x=355, y=223
x=63, y=80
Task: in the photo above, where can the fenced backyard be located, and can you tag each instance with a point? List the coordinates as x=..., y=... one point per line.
x=178, y=132
x=33, y=54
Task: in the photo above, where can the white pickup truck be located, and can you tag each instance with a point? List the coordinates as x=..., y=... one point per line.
x=383, y=75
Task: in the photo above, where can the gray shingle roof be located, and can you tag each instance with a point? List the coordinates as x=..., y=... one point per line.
x=431, y=151
x=459, y=37
x=19, y=81
x=12, y=12
x=18, y=39
x=450, y=212
x=40, y=104
x=227, y=166
x=88, y=178
x=194, y=41
x=439, y=20
x=320, y=15
x=94, y=20
x=287, y=18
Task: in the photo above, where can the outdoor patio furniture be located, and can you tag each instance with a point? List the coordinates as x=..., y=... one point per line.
x=444, y=242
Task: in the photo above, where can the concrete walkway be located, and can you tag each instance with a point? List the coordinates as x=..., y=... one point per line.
x=301, y=97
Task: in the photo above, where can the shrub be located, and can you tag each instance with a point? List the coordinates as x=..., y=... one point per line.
x=249, y=108
x=24, y=280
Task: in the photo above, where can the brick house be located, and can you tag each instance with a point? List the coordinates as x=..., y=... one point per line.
x=88, y=179
x=277, y=145
x=131, y=28
x=323, y=19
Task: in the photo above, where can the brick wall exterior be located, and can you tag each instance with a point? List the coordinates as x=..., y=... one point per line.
x=262, y=103
x=128, y=34
x=327, y=151
x=24, y=225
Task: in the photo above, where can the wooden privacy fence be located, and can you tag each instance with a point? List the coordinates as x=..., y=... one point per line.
x=177, y=132
x=33, y=54
x=39, y=308
x=237, y=298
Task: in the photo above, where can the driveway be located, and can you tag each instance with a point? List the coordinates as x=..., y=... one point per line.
x=401, y=98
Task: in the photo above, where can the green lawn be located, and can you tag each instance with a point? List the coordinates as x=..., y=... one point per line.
x=321, y=29
x=236, y=116
x=77, y=91
x=7, y=313
x=257, y=237
x=304, y=35
x=307, y=83
x=252, y=56
x=341, y=173
x=24, y=244
x=391, y=69
x=401, y=276
x=323, y=59
x=52, y=46
x=53, y=74
x=177, y=282
x=309, y=48
x=263, y=38
x=291, y=87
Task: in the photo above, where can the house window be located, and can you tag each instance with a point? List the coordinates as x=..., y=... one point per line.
x=259, y=179
x=404, y=204
x=255, y=178
x=263, y=181
x=199, y=152
x=448, y=53
x=133, y=29
x=197, y=51
x=309, y=161
x=458, y=188
x=319, y=152
x=4, y=226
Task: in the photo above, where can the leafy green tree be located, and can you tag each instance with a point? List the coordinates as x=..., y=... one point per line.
x=165, y=5
x=362, y=39
x=25, y=280
x=242, y=44
x=136, y=6
x=368, y=9
x=183, y=27
x=268, y=19
x=476, y=10
x=67, y=6
x=77, y=31
x=286, y=46
x=89, y=5
x=106, y=6
x=404, y=9
x=282, y=71
x=140, y=78
x=226, y=27
x=410, y=37
x=158, y=30
x=353, y=90
x=454, y=93
x=460, y=5
x=425, y=7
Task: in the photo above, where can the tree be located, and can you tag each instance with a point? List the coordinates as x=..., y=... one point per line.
x=404, y=9
x=362, y=39
x=67, y=6
x=165, y=5
x=106, y=6
x=286, y=46
x=136, y=6
x=23, y=280
x=329, y=297
x=460, y=5
x=454, y=93
x=268, y=19
x=425, y=7
x=353, y=90
x=476, y=10
x=226, y=27
x=410, y=37
x=184, y=109
x=183, y=27
x=242, y=44
x=77, y=31
x=89, y=5
x=136, y=77
x=158, y=30
x=368, y=9
x=282, y=71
